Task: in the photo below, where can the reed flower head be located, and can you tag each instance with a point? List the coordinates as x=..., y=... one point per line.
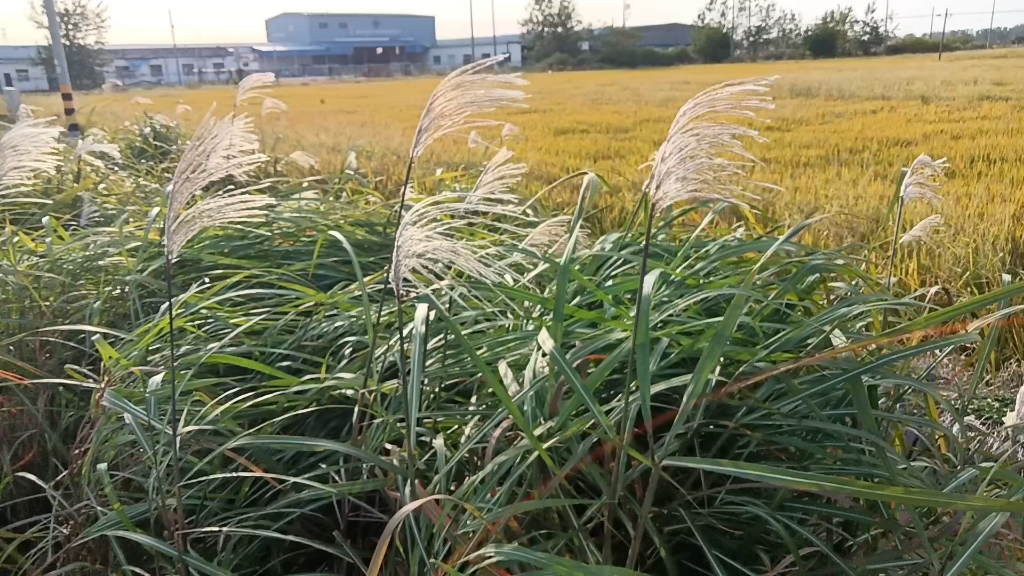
x=509, y=131
x=552, y=237
x=704, y=156
x=272, y=106
x=220, y=148
x=351, y=162
x=475, y=140
x=29, y=148
x=464, y=94
x=253, y=86
x=89, y=211
x=304, y=159
x=26, y=112
x=923, y=180
x=498, y=177
x=923, y=230
x=140, y=100
x=432, y=240
x=182, y=109
x=88, y=147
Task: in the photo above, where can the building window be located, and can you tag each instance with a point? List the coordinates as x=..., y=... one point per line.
x=437, y=60
x=323, y=25
x=486, y=55
x=22, y=75
x=218, y=65
x=156, y=70
x=467, y=58
x=245, y=64
x=188, y=69
x=123, y=72
x=343, y=25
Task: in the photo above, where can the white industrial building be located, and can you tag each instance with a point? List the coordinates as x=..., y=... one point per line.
x=450, y=54
x=18, y=65
x=192, y=64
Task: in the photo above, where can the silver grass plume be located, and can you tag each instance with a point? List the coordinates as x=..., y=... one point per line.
x=304, y=159
x=923, y=230
x=88, y=147
x=552, y=236
x=272, y=106
x=464, y=94
x=923, y=180
x=29, y=148
x=222, y=148
x=26, y=112
x=475, y=140
x=351, y=162
x=89, y=211
x=509, y=131
x=140, y=100
x=431, y=240
x=704, y=156
x=498, y=177
x=182, y=109
x=253, y=86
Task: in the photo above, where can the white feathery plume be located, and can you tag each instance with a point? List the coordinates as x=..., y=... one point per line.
x=464, y=94
x=228, y=147
x=552, y=236
x=89, y=211
x=923, y=180
x=110, y=85
x=162, y=120
x=88, y=146
x=96, y=133
x=509, y=131
x=431, y=241
x=498, y=177
x=140, y=100
x=475, y=140
x=923, y=230
x=351, y=163
x=272, y=106
x=26, y=112
x=29, y=148
x=253, y=86
x=704, y=156
x=304, y=159
x=182, y=109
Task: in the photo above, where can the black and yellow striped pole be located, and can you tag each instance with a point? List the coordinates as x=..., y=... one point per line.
x=67, y=95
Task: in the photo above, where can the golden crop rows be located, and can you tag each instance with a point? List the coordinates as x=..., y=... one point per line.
x=839, y=136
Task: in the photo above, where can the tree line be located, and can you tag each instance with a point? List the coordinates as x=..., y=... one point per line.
x=555, y=36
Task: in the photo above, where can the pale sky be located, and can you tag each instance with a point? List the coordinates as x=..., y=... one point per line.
x=230, y=21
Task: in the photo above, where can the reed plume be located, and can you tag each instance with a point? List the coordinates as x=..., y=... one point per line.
x=31, y=147
x=463, y=95
x=304, y=159
x=88, y=147
x=253, y=86
x=923, y=180
x=498, y=176
x=272, y=106
x=704, y=156
x=220, y=148
x=923, y=230
x=26, y=112
x=182, y=109
x=140, y=101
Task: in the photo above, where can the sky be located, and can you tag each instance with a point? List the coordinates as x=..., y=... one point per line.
x=238, y=21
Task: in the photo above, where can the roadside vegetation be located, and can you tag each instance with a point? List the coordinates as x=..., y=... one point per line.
x=220, y=356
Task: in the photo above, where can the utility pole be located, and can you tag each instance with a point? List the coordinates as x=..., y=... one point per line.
x=991, y=24
x=174, y=42
x=931, y=26
x=886, y=20
x=732, y=35
x=494, y=29
x=942, y=41
x=472, y=34
x=625, y=12
x=66, y=93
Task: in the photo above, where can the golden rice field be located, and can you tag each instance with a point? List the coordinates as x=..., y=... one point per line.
x=840, y=133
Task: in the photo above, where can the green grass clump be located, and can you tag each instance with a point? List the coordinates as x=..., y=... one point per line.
x=743, y=408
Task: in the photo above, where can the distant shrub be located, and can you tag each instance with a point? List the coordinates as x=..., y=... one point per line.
x=712, y=45
x=558, y=61
x=823, y=41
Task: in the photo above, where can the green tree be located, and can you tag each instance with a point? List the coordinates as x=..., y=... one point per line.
x=552, y=27
x=712, y=44
x=823, y=41
x=83, y=27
